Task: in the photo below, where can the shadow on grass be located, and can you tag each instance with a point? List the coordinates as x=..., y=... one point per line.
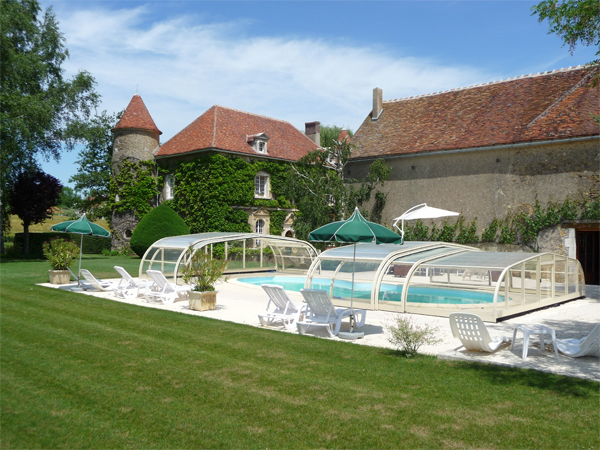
x=559, y=384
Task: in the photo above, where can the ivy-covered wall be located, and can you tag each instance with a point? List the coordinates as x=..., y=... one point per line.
x=208, y=187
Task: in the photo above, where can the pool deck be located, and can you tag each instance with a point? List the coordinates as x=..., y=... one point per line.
x=240, y=303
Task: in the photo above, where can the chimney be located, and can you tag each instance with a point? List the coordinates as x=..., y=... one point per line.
x=313, y=131
x=377, y=103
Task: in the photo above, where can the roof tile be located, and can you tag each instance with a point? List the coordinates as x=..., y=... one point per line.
x=136, y=116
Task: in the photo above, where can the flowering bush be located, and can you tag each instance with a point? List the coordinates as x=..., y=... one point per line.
x=60, y=253
x=408, y=337
x=202, y=271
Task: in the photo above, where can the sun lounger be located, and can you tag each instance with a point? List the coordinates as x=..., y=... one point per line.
x=280, y=308
x=128, y=286
x=322, y=313
x=473, y=333
x=92, y=282
x=587, y=346
x=164, y=291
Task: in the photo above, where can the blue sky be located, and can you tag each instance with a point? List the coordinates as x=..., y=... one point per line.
x=296, y=61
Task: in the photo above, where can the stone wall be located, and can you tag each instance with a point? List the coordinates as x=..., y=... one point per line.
x=492, y=183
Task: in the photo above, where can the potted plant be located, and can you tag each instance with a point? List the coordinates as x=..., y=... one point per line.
x=202, y=272
x=60, y=253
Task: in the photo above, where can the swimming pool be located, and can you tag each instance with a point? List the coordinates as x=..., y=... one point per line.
x=388, y=292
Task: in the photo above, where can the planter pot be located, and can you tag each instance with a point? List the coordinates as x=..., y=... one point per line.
x=59, y=276
x=203, y=301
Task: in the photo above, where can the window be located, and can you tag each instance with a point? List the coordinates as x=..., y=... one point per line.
x=261, y=185
x=262, y=147
x=169, y=189
x=258, y=142
x=260, y=226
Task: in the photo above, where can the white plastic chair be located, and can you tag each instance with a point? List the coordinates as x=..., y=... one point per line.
x=164, y=291
x=473, y=334
x=92, y=281
x=587, y=346
x=128, y=286
x=280, y=308
x=321, y=312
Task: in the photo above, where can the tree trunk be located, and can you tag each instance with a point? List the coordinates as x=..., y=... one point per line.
x=26, y=238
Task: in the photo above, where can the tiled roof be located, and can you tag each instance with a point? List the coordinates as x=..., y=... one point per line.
x=546, y=106
x=228, y=129
x=343, y=136
x=136, y=116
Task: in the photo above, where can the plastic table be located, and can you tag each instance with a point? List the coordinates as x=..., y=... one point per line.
x=528, y=330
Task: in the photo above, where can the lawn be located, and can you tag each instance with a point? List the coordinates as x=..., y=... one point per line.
x=83, y=372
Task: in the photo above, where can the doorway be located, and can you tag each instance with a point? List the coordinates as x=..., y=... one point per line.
x=588, y=254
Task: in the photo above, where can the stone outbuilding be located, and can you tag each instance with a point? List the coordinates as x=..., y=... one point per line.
x=491, y=150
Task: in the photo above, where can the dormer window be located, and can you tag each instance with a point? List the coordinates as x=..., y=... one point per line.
x=259, y=142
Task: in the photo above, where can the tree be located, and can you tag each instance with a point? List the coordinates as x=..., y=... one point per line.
x=37, y=103
x=31, y=198
x=330, y=134
x=576, y=22
x=321, y=190
x=93, y=175
x=68, y=198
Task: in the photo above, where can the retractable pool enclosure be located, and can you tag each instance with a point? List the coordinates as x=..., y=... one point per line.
x=438, y=278
x=246, y=252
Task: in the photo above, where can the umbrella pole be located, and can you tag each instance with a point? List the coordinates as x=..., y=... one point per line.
x=79, y=273
x=352, y=294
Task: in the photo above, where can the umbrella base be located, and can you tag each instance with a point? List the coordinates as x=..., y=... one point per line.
x=351, y=335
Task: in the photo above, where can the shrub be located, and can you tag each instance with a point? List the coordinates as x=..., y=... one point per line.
x=60, y=253
x=202, y=271
x=91, y=244
x=159, y=223
x=408, y=337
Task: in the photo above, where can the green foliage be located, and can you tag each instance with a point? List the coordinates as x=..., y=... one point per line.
x=467, y=234
x=31, y=198
x=60, y=253
x=330, y=134
x=37, y=103
x=207, y=188
x=321, y=192
x=277, y=218
x=416, y=232
x=408, y=337
x=95, y=160
x=575, y=22
x=68, y=198
x=202, y=270
x=91, y=244
x=590, y=210
x=136, y=184
x=445, y=234
x=508, y=234
x=491, y=231
x=159, y=223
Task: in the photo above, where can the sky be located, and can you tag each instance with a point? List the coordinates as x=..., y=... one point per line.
x=298, y=61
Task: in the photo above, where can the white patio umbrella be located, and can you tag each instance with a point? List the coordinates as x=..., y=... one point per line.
x=422, y=211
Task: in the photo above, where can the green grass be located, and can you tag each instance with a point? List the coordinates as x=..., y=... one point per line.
x=83, y=372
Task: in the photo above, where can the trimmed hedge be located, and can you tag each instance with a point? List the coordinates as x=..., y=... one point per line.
x=91, y=244
x=159, y=223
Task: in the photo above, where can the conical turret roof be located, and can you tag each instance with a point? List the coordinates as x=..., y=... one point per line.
x=137, y=117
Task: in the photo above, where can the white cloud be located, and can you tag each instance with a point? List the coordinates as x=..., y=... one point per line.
x=183, y=66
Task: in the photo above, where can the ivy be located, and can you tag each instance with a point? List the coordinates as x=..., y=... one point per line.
x=277, y=218
x=208, y=188
x=467, y=234
x=136, y=184
x=490, y=233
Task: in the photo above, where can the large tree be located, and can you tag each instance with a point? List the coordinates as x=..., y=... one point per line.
x=37, y=102
x=95, y=158
x=31, y=198
x=576, y=22
x=322, y=192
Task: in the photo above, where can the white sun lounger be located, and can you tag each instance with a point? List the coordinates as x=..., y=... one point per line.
x=93, y=282
x=473, y=333
x=128, y=286
x=280, y=308
x=164, y=291
x=322, y=313
x=587, y=346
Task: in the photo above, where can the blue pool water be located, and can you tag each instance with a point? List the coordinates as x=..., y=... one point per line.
x=388, y=292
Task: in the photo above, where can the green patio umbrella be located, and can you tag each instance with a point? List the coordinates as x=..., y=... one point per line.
x=355, y=229
x=80, y=226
